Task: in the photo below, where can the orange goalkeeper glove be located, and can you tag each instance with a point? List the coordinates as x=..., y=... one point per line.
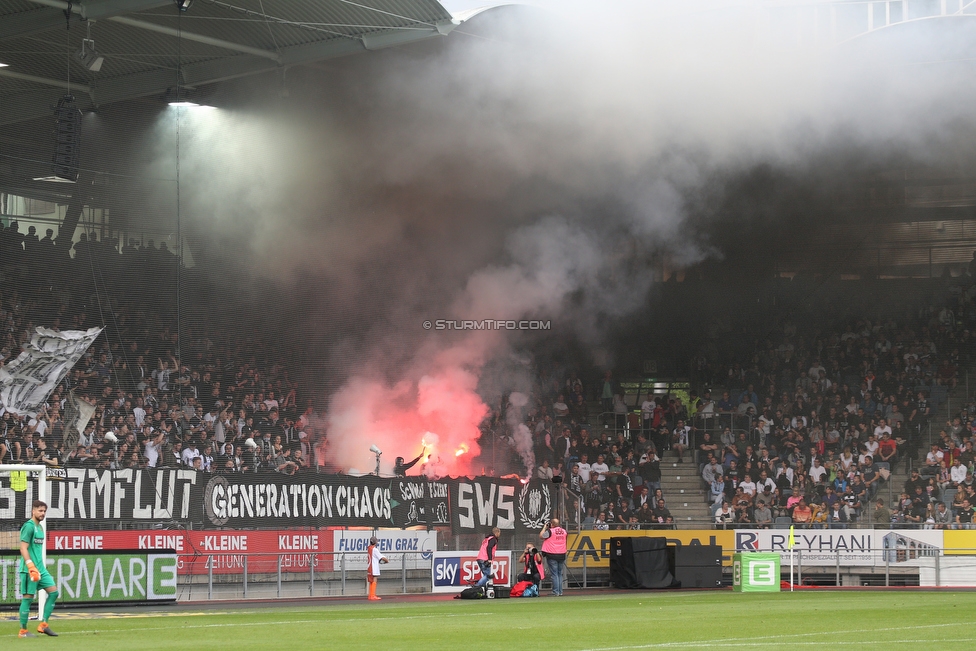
x=35, y=576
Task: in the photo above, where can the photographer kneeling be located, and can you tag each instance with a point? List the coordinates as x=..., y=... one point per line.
x=532, y=568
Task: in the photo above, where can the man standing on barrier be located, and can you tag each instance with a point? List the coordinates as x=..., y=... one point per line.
x=486, y=555
x=33, y=574
x=400, y=468
x=554, y=549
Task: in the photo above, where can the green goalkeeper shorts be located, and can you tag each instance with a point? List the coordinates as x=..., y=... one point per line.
x=30, y=587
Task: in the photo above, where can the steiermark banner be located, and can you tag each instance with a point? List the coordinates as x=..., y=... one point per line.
x=98, y=577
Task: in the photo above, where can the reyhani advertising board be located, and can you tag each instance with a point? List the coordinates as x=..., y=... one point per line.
x=455, y=571
x=854, y=546
x=128, y=576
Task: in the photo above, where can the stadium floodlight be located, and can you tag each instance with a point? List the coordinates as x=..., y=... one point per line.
x=375, y=450
x=52, y=179
x=88, y=57
x=185, y=98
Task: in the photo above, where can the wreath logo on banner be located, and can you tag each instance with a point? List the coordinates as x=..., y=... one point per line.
x=219, y=484
x=533, y=513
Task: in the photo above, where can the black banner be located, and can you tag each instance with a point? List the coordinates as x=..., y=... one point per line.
x=417, y=501
x=270, y=500
x=90, y=494
x=482, y=503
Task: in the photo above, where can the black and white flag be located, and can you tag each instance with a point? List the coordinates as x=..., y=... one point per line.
x=26, y=383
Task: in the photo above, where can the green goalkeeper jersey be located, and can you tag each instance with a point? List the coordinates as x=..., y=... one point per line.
x=32, y=534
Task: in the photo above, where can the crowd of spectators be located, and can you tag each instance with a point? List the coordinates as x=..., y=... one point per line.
x=811, y=419
x=815, y=417
x=225, y=402
x=809, y=424
x=614, y=478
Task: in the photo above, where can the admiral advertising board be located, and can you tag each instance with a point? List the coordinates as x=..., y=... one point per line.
x=593, y=547
x=455, y=571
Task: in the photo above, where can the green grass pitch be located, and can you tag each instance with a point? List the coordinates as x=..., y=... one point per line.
x=605, y=621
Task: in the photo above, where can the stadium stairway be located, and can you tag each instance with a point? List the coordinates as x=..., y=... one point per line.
x=683, y=491
x=896, y=484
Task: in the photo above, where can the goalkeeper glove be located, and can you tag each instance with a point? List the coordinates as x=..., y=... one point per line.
x=35, y=576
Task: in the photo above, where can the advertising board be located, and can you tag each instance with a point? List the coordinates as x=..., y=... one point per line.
x=128, y=576
x=454, y=571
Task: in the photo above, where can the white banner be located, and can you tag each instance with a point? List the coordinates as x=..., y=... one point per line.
x=77, y=413
x=26, y=383
x=417, y=546
x=905, y=547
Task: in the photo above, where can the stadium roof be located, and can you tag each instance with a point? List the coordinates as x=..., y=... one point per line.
x=148, y=43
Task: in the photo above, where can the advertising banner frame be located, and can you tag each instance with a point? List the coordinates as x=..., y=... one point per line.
x=849, y=547
x=113, y=573
x=756, y=572
x=451, y=572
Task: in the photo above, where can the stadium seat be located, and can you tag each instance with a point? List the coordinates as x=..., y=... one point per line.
x=948, y=495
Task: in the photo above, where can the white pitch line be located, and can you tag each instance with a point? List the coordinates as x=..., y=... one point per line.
x=733, y=641
x=841, y=643
x=279, y=623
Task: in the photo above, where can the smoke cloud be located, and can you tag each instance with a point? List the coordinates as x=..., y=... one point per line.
x=535, y=163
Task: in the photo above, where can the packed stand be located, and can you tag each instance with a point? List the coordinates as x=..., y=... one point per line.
x=225, y=409
x=815, y=418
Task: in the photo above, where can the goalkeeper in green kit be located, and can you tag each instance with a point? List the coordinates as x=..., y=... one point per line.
x=33, y=574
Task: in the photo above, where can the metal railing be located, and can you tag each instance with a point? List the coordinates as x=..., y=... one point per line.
x=903, y=561
x=906, y=563
x=262, y=575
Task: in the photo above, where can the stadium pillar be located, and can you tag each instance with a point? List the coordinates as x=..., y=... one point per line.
x=72, y=216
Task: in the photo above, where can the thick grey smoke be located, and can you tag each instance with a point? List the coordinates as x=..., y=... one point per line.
x=533, y=164
x=521, y=435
